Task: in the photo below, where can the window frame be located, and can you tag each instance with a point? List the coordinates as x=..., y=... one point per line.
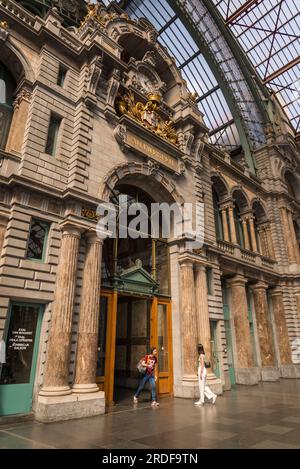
x=45, y=244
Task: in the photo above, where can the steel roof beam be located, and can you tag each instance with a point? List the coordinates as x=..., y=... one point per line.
x=281, y=70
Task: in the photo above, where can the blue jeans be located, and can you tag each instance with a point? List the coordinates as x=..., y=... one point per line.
x=143, y=381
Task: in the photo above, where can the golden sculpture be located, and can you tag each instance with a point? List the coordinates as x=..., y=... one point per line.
x=147, y=114
x=3, y=24
x=99, y=13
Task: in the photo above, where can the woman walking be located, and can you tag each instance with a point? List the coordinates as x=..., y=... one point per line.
x=149, y=362
x=204, y=390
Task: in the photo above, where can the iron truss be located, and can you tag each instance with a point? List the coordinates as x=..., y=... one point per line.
x=269, y=33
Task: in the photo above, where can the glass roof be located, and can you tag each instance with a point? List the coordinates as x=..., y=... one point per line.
x=269, y=32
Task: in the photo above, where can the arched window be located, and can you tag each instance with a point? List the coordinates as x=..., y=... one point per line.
x=217, y=216
x=7, y=87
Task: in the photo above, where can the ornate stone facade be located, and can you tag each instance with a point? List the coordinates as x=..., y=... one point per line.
x=123, y=120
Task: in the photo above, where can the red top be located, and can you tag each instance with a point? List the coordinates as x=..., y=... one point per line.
x=150, y=360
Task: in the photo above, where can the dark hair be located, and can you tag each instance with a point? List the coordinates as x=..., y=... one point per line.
x=200, y=348
x=152, y=349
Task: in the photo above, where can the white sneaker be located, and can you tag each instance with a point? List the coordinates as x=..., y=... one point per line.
x=135, y=400
x=214, y=398
x=198, y=403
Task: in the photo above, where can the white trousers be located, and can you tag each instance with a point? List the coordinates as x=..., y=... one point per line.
x=204, y=390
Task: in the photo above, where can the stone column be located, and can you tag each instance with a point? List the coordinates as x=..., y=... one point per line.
x=271, y=252
x=281, y=327
x=56, y=378
x=252, y=234
x=189, y=320
x=225, y=224
x=86, y=357
x=19, y=120
x=293, y=236
x=269, y=370
x=3, y=226
x=245, y=231
x=287, y=234
x=203, y=324
x=239, y=313
x=232, y=225
x=201, y=295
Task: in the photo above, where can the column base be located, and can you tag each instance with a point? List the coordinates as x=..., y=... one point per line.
x=289, y=371
x=270, y=373
x=247, y=376
x=189, y=387
x=73, y=406
x=85, y=388
x=55, y=391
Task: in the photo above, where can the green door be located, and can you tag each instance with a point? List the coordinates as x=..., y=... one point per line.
x=229, y=344
x=215, y=359
x=17, y=374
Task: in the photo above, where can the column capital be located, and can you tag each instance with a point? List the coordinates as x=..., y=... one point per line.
x=199, y=266
x=276, y=291
x=186, y=263
x=260, y=285
x=70, y=229
x=92, y=237
x=238, y=279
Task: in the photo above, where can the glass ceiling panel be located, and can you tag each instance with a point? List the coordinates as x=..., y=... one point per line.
x=269, y=32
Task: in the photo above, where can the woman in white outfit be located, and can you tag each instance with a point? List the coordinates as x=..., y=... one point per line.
x=204, y=390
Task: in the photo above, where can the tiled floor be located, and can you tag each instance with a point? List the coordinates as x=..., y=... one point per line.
x=263, y=416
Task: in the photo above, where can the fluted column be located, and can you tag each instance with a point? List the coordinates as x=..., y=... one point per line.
x=56, y=378
x=189, y=320
x=86, y=357
x=225, y=224
x=245, y=232
x=232, y=225
x=201, y=295
x=252, y=234
x=263, y=324
x=281, y=327
x=239, y=311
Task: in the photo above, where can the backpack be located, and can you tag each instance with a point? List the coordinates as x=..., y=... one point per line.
x=140, y=367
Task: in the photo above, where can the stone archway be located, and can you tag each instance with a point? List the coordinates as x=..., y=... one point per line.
x=147, y=176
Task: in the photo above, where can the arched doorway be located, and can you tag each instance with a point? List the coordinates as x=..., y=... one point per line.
x=135, y=311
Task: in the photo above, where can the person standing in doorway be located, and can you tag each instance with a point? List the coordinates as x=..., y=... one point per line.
x=204, y=390
x=149, y=362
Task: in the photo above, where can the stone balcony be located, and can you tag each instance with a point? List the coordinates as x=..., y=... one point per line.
x=254, y=258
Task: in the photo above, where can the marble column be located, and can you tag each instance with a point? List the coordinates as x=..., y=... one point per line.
x=86, y=356
x=189, y=320
x=287, y=234
x=264, y=332
x=3, y=226
x=19, y=120
x=56, y=377
x=232, y=225
x=281, y=327
x=245, y=232
x=293, y=236
x=253, y=235
x=270, y=244
x=225, y=224
x=201, y=295
x=239, y=313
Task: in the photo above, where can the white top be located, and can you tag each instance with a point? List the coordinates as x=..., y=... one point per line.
x=2, y=351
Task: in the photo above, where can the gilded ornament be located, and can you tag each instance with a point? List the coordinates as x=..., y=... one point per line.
x=147, y=114
x=4, y=24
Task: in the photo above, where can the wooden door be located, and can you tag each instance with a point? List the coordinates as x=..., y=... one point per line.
x=161, y=337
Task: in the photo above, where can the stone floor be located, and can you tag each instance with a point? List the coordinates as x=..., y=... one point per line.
x=263, y=416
